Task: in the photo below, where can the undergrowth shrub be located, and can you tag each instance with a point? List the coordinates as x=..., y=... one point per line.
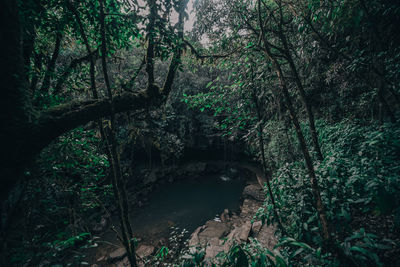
x=360, y=181
x=63, y=194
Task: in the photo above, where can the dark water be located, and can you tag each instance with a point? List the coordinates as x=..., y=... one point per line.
x=187, y=204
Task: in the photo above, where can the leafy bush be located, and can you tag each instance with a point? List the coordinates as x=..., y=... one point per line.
x=62, y=197
x=359, y=178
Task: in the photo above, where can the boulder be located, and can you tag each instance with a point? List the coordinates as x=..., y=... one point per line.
x=215, y=237
x=256, y=227
x=123, y=263
x=240, y=233
x=144, y=251
x=217, y=245
x=244, y=231
x=194, y=238
x=212, y=229
x=253, y=191
x=214, y=247
x=117, y=255
x=225, y=216
x=249, y=208
x=266, y=236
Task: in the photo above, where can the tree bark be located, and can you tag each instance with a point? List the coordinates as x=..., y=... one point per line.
x=14, y=102
x=306, y=103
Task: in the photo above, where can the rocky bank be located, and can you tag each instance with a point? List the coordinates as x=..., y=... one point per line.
x=218, y=236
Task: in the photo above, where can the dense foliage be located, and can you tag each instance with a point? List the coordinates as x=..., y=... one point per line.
x=97, y=89
x=325, y=65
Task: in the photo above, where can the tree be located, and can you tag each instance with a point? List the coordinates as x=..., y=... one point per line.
x=304, y=46
x=27, y=129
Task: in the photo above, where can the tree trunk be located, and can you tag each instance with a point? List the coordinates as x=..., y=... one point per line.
x=325, y=231
x=26, y=131
x=306, y=103
x=150, y=45
x=299, y=85
x=118, y=183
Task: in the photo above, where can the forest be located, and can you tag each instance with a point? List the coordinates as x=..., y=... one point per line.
x=200, y=133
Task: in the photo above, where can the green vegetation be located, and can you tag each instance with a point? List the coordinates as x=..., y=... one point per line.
x=97, y=92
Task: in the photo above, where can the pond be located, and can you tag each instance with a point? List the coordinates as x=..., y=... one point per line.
x=187, y=204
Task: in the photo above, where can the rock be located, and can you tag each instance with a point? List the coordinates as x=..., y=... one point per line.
x=244, y=231
x=194, y=238
x=249, y=208
x=225, y=216
x=253, y=191
x=144, y=251
x=117, y=255
x=210, y=236
x=216, y=245
x=266, y=236
x=240, y=233
x=102, y=258
x=215, y=237
x=123, y=263
x=256, y=227
x=212, y=229
x=213, y=248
